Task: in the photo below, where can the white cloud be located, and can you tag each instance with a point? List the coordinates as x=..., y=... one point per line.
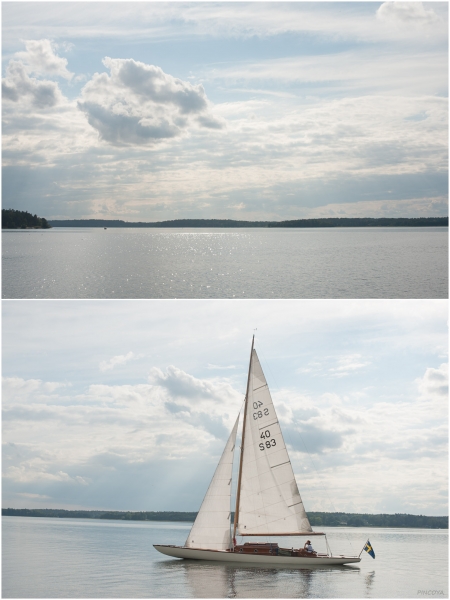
x=171, y=21
x=336, y=366
x=33, y=496
x=407, y=14
x=18, y=86
x=40, y=58
x=347, y=365
x=433, y=389
x=139, y=104
x=121, y=359
x=434, y=384
x=183, y=385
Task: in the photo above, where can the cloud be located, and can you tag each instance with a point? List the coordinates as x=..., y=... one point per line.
x=33, y=496
x=336, y=366
x=407, y=14
x=433, y=389
x=17, y=390
x=435, y=382
x=315, y=439
x=108, y=365
x=40, y=58
x=184, y=386
x=139, y=104
x=347, y=365
x=17, y=86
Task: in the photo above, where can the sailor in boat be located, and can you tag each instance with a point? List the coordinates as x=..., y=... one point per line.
x=309, y=548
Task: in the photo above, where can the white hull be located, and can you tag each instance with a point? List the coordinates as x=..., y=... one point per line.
x=286, y=561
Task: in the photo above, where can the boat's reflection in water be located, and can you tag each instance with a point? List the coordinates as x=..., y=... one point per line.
x=369, y=578
x=204, y=579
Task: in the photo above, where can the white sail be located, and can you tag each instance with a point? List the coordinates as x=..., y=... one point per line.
x=211, y=528
x=270, y=502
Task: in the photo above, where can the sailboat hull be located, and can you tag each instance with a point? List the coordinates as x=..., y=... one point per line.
x=292, y=562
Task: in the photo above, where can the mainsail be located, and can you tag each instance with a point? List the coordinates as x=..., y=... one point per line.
x=211, y=528
x=270, y=502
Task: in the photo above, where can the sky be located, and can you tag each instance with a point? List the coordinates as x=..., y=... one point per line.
x=258, y=111
x=127, y=405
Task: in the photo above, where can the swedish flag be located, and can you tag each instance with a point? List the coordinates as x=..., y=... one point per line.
x=368, y=548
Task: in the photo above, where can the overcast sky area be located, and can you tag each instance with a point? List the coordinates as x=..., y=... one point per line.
x=127, y=405
x=260, y=111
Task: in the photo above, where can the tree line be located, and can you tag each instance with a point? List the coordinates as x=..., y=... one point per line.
x=304, y=223
x=19, y=219
x=366, y=222
x=317, y=519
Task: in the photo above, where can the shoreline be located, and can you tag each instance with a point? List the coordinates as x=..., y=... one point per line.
x=230, y=223
x=317, y=519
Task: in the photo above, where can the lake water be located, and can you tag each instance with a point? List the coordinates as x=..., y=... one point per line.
x=226, y=263
x=87, y=558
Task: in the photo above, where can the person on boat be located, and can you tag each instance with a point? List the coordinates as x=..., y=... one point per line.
x=308, y=547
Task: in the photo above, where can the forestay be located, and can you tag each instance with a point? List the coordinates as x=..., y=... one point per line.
x=270, y=502
x=211, y=528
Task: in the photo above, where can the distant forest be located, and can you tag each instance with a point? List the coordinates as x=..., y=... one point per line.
x=19, y=219
x=365, y=222
x=317, y=519
x=175, y=223
x=331, y=222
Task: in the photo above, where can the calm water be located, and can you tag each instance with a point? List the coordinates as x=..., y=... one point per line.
x=92, y=558
x=224, y=263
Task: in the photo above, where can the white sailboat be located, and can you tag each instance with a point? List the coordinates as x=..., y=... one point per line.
x=268, y=502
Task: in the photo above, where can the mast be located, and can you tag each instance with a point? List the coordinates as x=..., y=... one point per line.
x=238, y=493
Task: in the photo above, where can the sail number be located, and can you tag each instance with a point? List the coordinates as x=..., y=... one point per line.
x=259, y=413
x=268, y=443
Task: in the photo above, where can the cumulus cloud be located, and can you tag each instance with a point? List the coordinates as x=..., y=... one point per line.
x=435, y=382
x=139, y=104
x=407, y=14
x=18, y=85
x=183, y=385
x=108, y=365
x=433, y=389
x=40, y=58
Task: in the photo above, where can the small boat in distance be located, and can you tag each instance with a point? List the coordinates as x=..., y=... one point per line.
x=268, y=502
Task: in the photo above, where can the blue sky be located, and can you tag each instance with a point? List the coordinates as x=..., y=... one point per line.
x=127, y=405
x=151, y=111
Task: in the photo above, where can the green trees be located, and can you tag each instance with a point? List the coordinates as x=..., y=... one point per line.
x=318, y=519
x=18, y=219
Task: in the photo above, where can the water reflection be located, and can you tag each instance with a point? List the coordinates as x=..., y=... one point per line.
x=368, y=580
x=204, y=579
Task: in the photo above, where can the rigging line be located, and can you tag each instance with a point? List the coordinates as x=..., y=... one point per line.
x=323, y=489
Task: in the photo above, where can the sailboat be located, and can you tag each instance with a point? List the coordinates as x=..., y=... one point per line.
x=268, y=502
